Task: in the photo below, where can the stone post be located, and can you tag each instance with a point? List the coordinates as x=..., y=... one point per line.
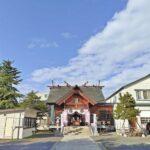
x=61, y=122
x=95, y=124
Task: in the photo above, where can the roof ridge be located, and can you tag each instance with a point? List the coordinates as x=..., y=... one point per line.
x=129, y=84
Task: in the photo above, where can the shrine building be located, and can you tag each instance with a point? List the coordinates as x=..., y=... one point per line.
x=77, y=104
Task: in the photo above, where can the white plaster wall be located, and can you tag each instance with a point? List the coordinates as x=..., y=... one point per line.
x=18, y=122
x=145, y=110
x=145, y=84
x=145, y=114
x=113, y=99
x=119, y=124
x=2, y=125
x=9, y=124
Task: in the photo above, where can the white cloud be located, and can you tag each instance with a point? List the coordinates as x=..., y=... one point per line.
x=68, y=35
x=117, y=55
x=42, y=43
x=27, y=86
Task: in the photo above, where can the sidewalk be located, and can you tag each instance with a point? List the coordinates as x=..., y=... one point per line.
x=77, y=143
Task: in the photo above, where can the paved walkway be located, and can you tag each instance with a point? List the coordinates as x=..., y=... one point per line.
x=115, y=142
x=35, y=143
x=76, y=143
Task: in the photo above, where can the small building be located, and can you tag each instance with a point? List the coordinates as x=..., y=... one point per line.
x=77, y=104
x=140, y=90
x=17, y=123
x=42, y=120
x=43, y=95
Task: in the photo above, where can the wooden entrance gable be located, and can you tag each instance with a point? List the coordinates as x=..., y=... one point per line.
x=75, y=98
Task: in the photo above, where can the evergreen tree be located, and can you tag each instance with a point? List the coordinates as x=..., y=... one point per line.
x=6, y=104
x=32, y=100
x=126, y=108
x=9, y=79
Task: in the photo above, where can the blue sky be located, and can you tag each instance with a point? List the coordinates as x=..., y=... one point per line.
x=22, y=22
x=50, y=39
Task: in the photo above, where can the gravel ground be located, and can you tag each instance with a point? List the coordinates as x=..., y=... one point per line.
x=114, y=142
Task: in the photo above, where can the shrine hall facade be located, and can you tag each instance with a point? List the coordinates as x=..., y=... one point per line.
x=77, y=104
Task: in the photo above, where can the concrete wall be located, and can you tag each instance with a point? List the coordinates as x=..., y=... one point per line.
x=9, y=125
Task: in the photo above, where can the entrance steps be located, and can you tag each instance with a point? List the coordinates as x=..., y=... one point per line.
x=84, y=131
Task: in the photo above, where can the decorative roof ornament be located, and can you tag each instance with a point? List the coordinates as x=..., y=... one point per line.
x=67, y=84
x=52, y=83
x=76, y=87
x=85, y=83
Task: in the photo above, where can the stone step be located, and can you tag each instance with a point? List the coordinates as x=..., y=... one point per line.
x=77, y=131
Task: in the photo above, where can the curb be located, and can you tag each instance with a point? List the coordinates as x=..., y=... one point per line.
x=54, y=146
x=102, y=146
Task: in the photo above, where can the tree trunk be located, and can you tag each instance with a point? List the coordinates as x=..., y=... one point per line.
x=140, y=127
x=123, y=123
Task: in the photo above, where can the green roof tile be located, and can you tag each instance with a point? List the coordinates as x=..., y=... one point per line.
x=93, y=92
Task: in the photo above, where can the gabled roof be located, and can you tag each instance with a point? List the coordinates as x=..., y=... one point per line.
x=128, y=85
x=71, y=93
x=94, y=93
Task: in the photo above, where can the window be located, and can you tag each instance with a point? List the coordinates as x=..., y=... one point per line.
x=146, y=94
x=102, y=115
x=143, y=94
x=29, y=122
x=105, y=117
x=139, y=94
x=145, y=120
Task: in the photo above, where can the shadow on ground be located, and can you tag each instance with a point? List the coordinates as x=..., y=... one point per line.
x=27, y=146
x=42, y=136
x=68, y=144
x=35, y=142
